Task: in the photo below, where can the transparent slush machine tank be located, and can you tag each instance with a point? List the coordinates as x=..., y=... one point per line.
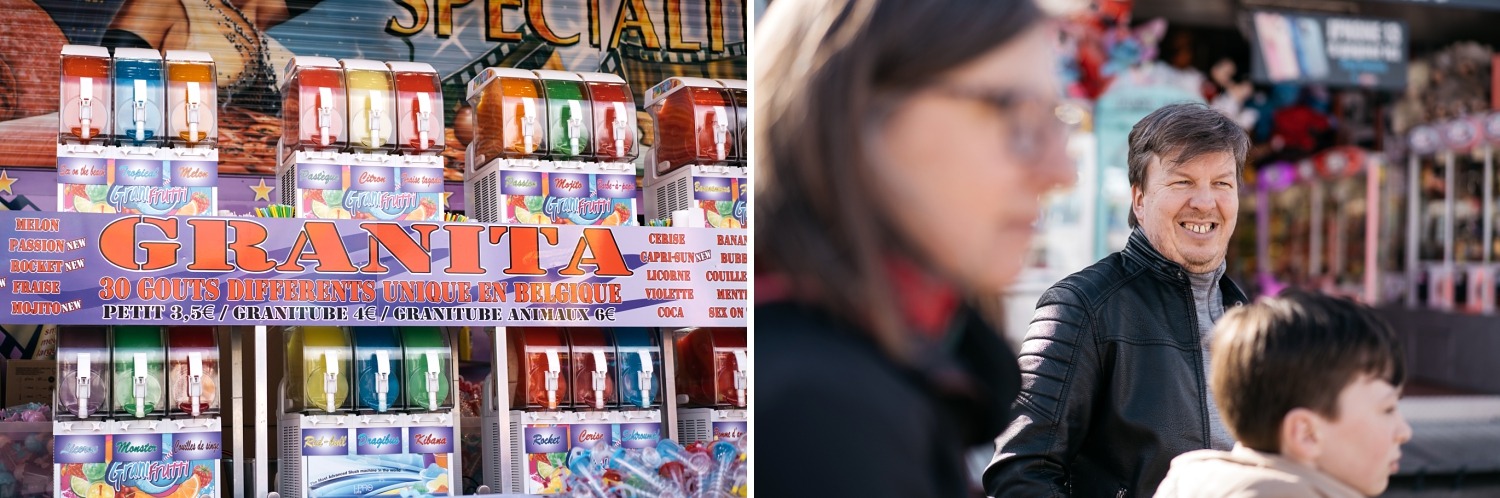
x=317, y=378
x=83, y=373
x=193, y=371
x=510, y=115
x=594, y=369
x=192, y=99
x=569, y=115
x=639, y=356
x=372, y=103
x=378, y=356
x=419, y=108
x=140, y=357
x=694, y=117
x=614, y=117
x=715, y=367
x=313, y=105
x=740, y=131
x=140, y=96
x=538, y=368
x=429, y=368
x=84, y=97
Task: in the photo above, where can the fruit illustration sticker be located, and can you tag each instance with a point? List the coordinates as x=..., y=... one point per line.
x=722, y=200
x=141, y=465
x=546, y=458
x=426, y=184
x=200, y=179
x=321, y=191
x=83, y=184
x=568, y=198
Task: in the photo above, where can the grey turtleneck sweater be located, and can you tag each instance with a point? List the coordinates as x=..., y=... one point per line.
x=1210, y=302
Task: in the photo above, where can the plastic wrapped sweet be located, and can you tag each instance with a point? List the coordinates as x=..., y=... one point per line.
x=193, y=371
x=84, y=103
x=140, y=97
x=192, y=99
x=83, y=373
x=717, y=470
x=140, y=371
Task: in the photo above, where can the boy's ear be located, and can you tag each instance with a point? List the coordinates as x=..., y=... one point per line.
x=1302, y=436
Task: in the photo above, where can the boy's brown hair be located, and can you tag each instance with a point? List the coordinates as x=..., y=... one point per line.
x=1296, y=350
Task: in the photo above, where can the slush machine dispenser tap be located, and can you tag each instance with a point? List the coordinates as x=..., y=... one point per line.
x=331, y=378
x=374, y=108
x=575, y=126
x=85, y=106
x=195, y=379
x=550, y=378
x=433, y=371
x=528, y=124
x=424, y=113
x=721, y=133
x=644, y=377
x=194, y=97
x=85, y=369
x=140, y=110
x=598, y=376
x=139, y=384
x=618, y=126
x=741, y=376
x=382, y=377
x=325, y=114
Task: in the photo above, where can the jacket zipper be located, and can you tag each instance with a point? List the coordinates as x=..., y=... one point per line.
x=1198, y=357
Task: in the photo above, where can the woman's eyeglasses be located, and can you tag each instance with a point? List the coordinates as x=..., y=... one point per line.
x=1035, y=126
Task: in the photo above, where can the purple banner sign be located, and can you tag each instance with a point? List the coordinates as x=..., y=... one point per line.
x=194, y=173
x=521, y=183
x=320, y=176
x=615, y=186
x=708, y=188
x=325, y=442
x=732, y=431
x=568, y=185
x=197, y=446
x=372, y=178
x=83, y=170
x=553, y=439
x=639, y=436
x=79, y=449
x=430, y=440
x=133, y=172
x=137, y=447
x=378, y=441
x=587, y=435
x=421, y=180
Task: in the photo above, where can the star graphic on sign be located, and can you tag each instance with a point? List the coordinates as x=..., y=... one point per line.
x=262, y=192
x=447, y=195
x=5, y=182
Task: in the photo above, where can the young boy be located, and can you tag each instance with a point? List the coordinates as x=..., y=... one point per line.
x=1308, y=385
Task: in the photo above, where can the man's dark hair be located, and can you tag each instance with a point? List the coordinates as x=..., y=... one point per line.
x=1179, y=133
x=1297, y=350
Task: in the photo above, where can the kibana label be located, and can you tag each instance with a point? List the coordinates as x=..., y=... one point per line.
x=536, y=198
x=140, y=465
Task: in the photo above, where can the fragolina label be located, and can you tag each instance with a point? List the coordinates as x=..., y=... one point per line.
x=568, y=198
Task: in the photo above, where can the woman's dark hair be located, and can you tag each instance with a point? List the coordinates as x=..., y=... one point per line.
x=824, y=70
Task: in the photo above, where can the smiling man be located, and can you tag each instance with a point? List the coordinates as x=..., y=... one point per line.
x=1114, y=366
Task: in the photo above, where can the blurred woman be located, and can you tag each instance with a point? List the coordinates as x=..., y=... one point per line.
x=902, y=147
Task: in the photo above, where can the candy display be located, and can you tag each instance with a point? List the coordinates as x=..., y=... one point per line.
x=85, y=98
x=419, y=108
x=192, y=98
x=666, y=470
x=140, y=96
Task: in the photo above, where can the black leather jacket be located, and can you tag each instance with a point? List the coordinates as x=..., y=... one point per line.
x=1112, y=384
